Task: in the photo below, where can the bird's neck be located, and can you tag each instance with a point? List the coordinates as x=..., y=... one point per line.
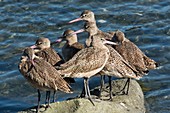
x=72, y=41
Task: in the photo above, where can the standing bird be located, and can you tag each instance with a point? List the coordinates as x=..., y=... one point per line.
x=72, y=46
x=132, y=54
x=129, y=51
x=44, y=50
x=115, y=66
x=87, y=62
x=41, y=74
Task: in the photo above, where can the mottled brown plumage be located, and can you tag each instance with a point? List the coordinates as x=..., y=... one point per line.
x=45, y=51
x=132, y=54
x=117, y=36
x=138, y=65
x=115, y=57
x=115, y=66
x=41, y=74
x=86, y=63
x=72, y=46
x=93, y=30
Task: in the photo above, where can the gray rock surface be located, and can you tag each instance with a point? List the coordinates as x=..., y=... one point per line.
x=131, y=103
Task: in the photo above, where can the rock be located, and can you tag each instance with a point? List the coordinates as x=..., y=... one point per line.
x=131, y=103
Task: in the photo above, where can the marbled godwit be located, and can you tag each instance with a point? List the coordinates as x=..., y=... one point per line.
x=87, y=62
x=129, y=51
x=43, y=49
x=116, y=65
x=72, y=46
x=86, y=15
x=41, y=74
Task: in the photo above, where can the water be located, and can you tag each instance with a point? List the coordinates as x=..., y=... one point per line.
x=145, y=22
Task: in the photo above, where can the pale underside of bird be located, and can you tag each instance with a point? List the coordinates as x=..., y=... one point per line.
x=87, y=63
x=139, y=61
x=115, y=66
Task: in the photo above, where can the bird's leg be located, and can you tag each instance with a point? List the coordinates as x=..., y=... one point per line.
x=127, y=83
x=127, y=91
x=82, y=93
x=39, y=96
x=88, y=90
x=54, y=96
x=85, y=88
x=48, y=100
x=47, y=95
x=101, y=86
x=110, y=90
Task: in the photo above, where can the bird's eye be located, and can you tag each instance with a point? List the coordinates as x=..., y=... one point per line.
x=84, y=15
x=102, y=39
x=39, y=43
x=86, y=27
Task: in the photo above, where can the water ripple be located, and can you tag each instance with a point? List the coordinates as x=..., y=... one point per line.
x=145, y=22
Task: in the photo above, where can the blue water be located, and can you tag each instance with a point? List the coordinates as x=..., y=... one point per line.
x=145, y=22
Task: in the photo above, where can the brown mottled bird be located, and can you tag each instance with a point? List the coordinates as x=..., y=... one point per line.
x=72, y=46
x=115, y=66
x=132, y=54
x=41, y=74
x=44, y=50
x=129, y=51
x=87, y=62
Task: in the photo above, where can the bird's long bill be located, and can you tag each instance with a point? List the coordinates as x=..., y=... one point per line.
x=110, y=42
x=78, y=31
x=75, y=20
x=33, y=46
x=58, y=40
